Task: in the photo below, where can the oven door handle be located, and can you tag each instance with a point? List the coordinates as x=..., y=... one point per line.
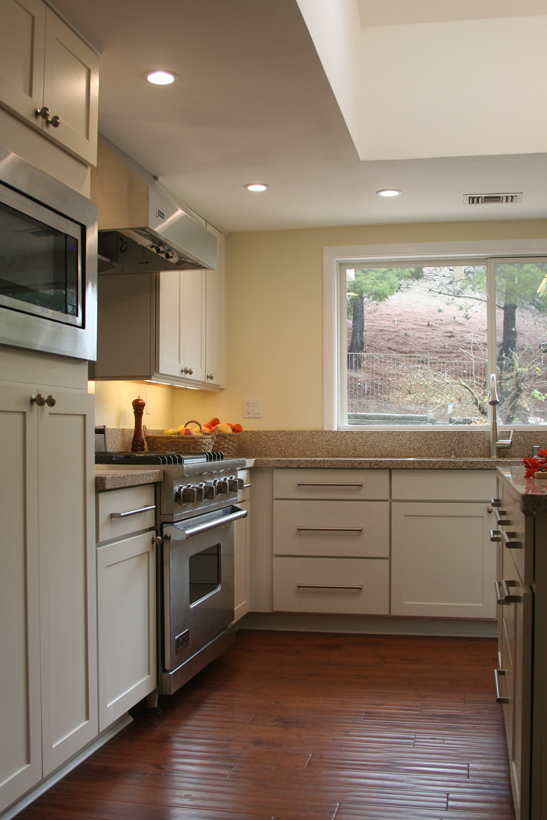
x=183, y=532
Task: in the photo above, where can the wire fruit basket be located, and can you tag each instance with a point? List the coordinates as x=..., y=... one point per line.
x=203, y=443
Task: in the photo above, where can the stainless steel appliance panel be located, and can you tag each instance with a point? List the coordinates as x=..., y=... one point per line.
x=36, y=193
x=198, y=582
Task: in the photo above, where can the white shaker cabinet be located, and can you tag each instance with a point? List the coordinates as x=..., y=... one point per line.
x=182, y=324
x=331, y=541
x=46, y=67
x=48, y=675
x=242, y=550
x=443, y=564
x=126, y=599
x=167, y=327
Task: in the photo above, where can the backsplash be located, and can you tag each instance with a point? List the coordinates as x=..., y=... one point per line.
x=362, y=443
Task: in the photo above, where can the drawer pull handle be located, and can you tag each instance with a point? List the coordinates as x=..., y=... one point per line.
x=495, y=535
x=329, y=529
x=247, y=485
x=495, y=502
x=501, y=517
x=498, y=673
x=330, y=586
x=133, y=512
x=508, y=596
x=329, y=484
x=509, y=539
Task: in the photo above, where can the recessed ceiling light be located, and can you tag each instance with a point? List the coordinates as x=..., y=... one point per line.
x=161, y=77
x=256, y=186
x=389, y=192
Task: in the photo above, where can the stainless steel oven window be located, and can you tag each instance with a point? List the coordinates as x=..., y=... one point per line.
x=204, y=573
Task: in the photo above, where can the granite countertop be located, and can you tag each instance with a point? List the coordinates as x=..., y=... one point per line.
x=388, y=463
x=113, y=478
x=530, y=493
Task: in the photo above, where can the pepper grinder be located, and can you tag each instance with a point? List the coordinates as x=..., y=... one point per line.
x=137, y=445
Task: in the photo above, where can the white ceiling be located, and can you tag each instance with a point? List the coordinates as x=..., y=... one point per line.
x=254, y=103
x=397, y=12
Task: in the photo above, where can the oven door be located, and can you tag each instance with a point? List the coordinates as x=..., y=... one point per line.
x=198, y=582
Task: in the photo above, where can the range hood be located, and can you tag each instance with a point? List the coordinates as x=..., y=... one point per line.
x=141, y=228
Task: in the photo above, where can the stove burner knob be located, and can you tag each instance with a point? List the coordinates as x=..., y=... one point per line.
x=222, y=486
x=200, y=492
x=240, y=484
x=185, y=494
x=232, y=484
x=209, y=491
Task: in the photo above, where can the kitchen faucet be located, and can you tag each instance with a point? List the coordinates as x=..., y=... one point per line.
x=496, y=444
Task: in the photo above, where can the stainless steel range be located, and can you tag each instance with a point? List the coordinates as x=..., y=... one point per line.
x=197, y=511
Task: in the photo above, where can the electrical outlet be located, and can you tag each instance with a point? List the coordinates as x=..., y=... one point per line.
x=252, y=408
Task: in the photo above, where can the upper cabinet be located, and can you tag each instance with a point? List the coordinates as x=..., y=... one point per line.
x=49, y=77
x=167, y=327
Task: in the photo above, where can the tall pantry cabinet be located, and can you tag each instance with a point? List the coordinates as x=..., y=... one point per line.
x=48, y=674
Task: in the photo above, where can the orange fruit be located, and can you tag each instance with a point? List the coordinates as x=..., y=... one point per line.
x=237, y=428
x=214, y=421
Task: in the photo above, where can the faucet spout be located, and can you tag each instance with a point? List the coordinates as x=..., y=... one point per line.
x=495, y=443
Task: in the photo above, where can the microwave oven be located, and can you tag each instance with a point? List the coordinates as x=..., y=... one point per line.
x=48, y=263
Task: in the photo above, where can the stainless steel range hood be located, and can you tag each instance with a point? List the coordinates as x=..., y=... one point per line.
x=141, y=228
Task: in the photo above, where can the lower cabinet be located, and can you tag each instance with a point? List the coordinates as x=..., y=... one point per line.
x=519, y=674
x=443, y=564
x=126, y=600
x=242, y=550
x=378, y=542
x=48, y=680
x=330, y=542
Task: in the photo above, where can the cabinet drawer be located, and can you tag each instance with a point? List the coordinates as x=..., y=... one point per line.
x=245, y=493
x=443, y=485
x=517, y=535
x=130, y=501
x=357, y=586
x=331, y=528
x=351, y=485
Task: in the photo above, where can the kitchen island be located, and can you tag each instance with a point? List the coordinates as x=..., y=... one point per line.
x=522, y=676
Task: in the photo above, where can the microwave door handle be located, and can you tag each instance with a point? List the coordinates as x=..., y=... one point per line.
x=184, y=533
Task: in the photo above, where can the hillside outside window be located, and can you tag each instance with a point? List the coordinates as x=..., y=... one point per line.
x=418, y=341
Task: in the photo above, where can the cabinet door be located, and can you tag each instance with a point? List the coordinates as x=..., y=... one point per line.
x=182, y=324
x=20, y=731
x=66, y=502
x=193, y=295
x=242, y=562
x=71, y=88
x=126, y=608
x=215, y=350
x=22, y=35
x=443, y=562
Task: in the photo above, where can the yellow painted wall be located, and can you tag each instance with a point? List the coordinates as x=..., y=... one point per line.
x=274, y=316
x=113, y=404
x=274, y=321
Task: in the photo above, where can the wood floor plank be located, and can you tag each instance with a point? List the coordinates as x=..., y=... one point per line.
x=303, y=726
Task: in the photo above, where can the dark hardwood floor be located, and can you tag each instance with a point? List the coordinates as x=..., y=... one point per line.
x=299, y=726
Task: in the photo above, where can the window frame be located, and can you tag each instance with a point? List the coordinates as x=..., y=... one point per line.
x=337, y=259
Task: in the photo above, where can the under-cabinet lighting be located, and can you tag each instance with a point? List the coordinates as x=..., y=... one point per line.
x=161, y=77
x=389, y=192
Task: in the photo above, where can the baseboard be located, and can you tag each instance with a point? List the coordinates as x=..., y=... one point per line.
x=67, y=767
x=369, y=624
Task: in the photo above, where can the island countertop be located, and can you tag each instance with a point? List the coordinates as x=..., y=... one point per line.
x=529, y=493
